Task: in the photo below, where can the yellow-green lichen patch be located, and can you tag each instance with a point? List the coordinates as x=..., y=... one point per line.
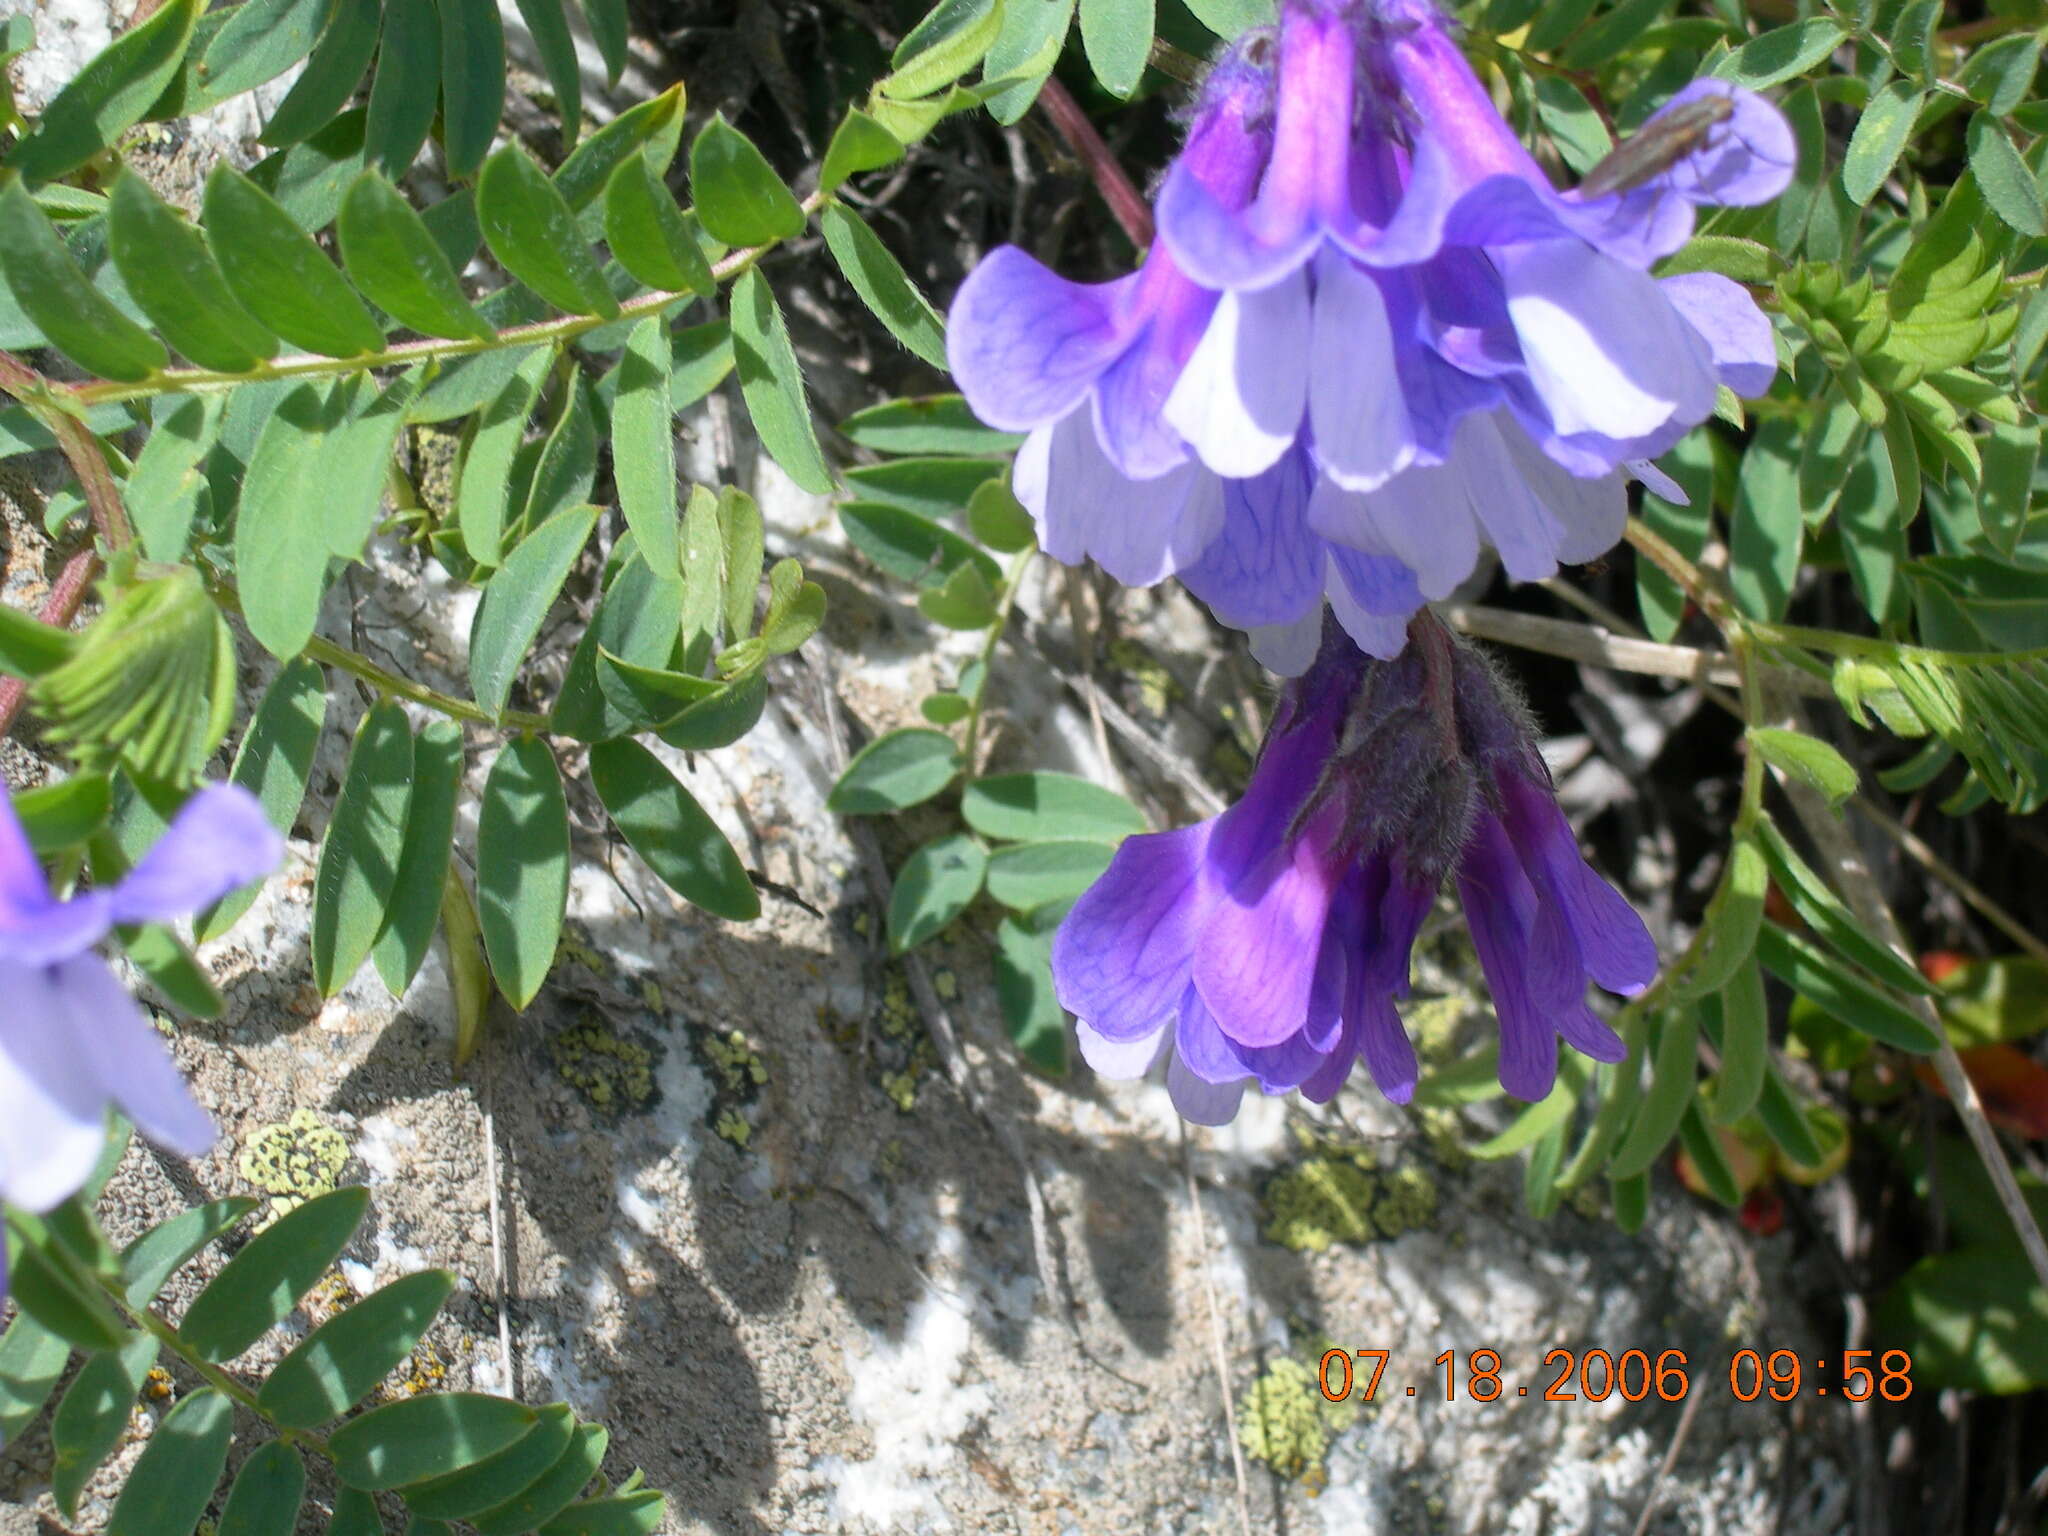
x=435, y=451
x=612, y=1071
x=294, y=1160
x=738, y=1073
x=1156, y=687
x=1337, y=1195
x=900, y=1051
x=1285, y=1421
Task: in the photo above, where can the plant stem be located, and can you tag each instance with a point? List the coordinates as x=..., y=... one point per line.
x=80, y=447
x=356, y=664
x=1660, y=552
x=147, y=1319
x=1126, y=203
x=970, y=742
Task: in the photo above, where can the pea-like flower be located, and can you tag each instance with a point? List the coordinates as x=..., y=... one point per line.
x=1270, y=944
x=73, y=1043
x=1360, y=269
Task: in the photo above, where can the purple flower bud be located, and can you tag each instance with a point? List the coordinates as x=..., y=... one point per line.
x=1270, y=944
x=73, y=1043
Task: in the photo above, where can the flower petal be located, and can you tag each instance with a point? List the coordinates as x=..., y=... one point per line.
x=1202, y=1103
x=1499, y=904
x=1265, y=567
x=1745, y=160
x=1735, y=330
x=1606, y=351
x=1239, y=401
x=1589, y=513
x=1120, y=958
x=1203, y=1048
x=1255, y=960
x=131, y=1062
x=1612, y=939
x=1025, y=344
x=1288, y=649
x=1119, y=1059
x=219, y=841
x=1376, y=634
x=1356, y=406
x=1139, y=531
x=53, y=1112
x=1423, y=518
x=1517, y=521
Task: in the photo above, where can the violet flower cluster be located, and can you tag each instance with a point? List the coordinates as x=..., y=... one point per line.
x=73, y=1043
x=1270, y=944
x=1371, y=336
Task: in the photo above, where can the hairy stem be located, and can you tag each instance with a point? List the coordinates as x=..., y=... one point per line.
x=970, y=741
x=1126, y=203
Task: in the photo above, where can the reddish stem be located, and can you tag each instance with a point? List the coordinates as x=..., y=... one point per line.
x=59, y=608
x=1126, y=203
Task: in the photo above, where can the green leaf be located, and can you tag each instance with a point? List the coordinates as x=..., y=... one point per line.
x=1975, y=1319
x=92, y=1416
x=942, y=47
x=1674, y=1057
x=620, y=1514
x=719, y=720
x=533, y=231
x=279, y=274
x=331, y=74
x=518, y=599
x=1023, y=54
x=1036, y=807
x=1778, y=55
x=1548, y=1114
x=998, y=519
x=359, y=861
x=267, y=1492
x=274, y=762
x=418, y=1437
x=963, y=600
x=549, y=27
x=174, y=1478
x=173, y=277
x=933, y=424
x=398, y=264
x=1745, y=1045
x=1031, y=874
x=257, y=1288
x=608, y=28
x=740, y=199
x=65, y=814
x=1023, y=975
x=281, y=553
x=160, y=1252
x=934, y=886
x=260, y=41
x=1117, y=36
x=2010, y=457
x=164, y=488
x=472, y=82
x=64, y=306
x=1822, y=911
x=29, y=647
x=741, y=532
x=650, y=131
x=858, y=144
x=1880, y=136
x=644, y=447
x=415, y=903
x=1840, y=992
x=2003, y=177
x=637, y=619
x=1808, y=759
x=340, y=1362
x=793, y=615
x=1703, y=1151
x=664, y=824
x=45, y=1286
x=552, y=1492
x=489, y=1483
x=355, y=1514
x=772, y=383
x=1746, y=261
x=31, y=1360
x=107, y=97
x=910, y=547
x=649, y=235
x=1768, y=532
x=404, y=90
x=522, y=867
x=483, y=493
x=931, y=487
x=883, y=286
x=892, y=772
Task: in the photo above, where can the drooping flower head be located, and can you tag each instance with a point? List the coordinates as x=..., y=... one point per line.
x=1364, y=283
x=73, y=1043
x=1270, y=944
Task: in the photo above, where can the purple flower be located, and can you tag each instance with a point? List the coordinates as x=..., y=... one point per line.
x=1362, y=275
x=73, y=1043
x=1270, y=944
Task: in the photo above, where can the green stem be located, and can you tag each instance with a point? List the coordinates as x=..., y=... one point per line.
x=213, y=1375
x=356, y=664
x=407, y=353
x=1012, y=578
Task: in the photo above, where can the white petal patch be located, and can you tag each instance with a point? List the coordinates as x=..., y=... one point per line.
x=1239, y=401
